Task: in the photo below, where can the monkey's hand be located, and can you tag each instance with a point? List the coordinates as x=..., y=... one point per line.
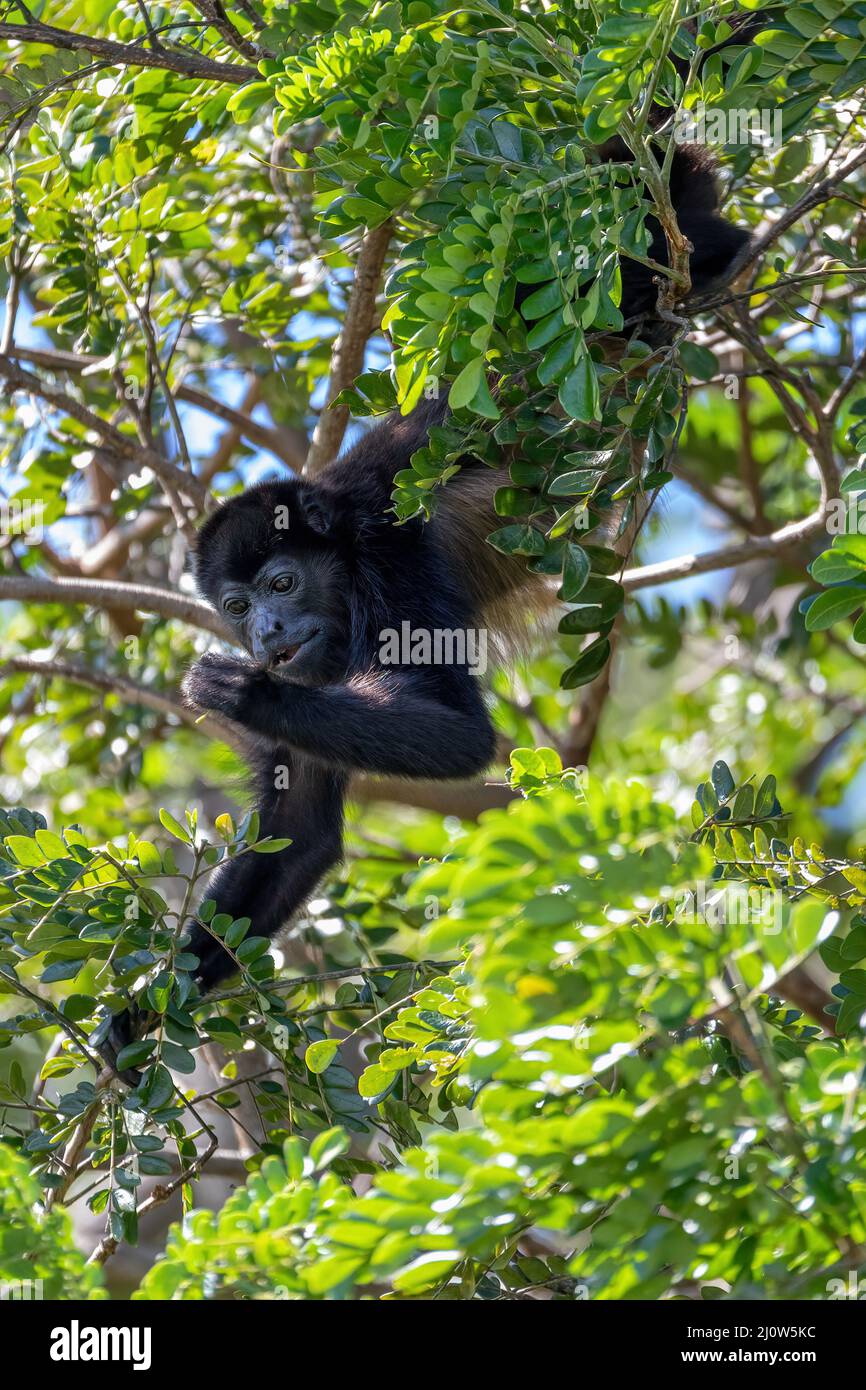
x=227, y=685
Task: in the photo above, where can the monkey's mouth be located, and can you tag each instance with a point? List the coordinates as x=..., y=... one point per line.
x=288, y=654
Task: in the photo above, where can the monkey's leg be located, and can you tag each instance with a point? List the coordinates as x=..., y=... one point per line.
x=269, y=888
x=266, y=888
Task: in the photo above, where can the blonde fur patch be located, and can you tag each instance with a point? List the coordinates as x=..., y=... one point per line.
x=516, y=606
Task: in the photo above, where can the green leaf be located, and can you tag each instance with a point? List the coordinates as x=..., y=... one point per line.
x=320, y=1055
x=25, y=850
x=578, y=394
x=835, y=567
x=236, y=932
x=698, y=361
x=375, y=1080
x=177, y=1058
x=723, y=781
x=247, y=102
x=589, y=664
x=252, y=949
x=834, y=604
x=51, y=845
x=466, y=384
x=174, y=827
x=327, y=1146
x=149, y=858
x=135, y=1054
x=517, y=540
x=765, y=798
x=575, y=572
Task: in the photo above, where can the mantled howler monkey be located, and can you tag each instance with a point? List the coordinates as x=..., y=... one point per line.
x=310, y=574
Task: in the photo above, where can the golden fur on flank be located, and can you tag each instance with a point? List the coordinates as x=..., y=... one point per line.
x=512, y=602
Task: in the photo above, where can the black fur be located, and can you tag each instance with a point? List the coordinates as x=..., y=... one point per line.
x=332, y=708
x=340, y=710
x=719, y=246
x=335, y=709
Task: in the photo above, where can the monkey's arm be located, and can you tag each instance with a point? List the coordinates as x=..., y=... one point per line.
x=379, y=723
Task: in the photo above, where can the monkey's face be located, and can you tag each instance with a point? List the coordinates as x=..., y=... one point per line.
x=290, y=616
x=269, y=561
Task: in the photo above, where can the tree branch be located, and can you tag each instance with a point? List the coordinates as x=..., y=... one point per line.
x=852, y=378
x=136, y=694
x=466, y=799
x=272, y=438
x=819, y=193
x=214, y=12
x=347, y=358
x=163, y=1191
x=184, y=61
x=174, y=480
x=749, y=469
x=113, y=548
x=727, y=556
x=112, y=595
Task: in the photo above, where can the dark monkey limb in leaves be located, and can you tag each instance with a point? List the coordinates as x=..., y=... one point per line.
x=311, y=574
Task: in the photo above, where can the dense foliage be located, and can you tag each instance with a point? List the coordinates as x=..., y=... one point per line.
x=550, y=1051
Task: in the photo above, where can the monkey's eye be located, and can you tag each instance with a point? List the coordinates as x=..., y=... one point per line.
x=283, y=584
x=236, y=606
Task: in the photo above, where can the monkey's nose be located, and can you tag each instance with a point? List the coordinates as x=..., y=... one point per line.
x=269, y=638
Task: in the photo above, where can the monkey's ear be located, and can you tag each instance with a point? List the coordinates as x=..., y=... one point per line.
x=318, y=511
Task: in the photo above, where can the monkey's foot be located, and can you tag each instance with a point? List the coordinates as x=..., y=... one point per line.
x=125, y=1028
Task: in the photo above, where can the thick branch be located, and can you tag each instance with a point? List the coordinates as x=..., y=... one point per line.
x=215, y=14
x=347, y=359
x=112, y=595
x=136, y=694
x=182, y=60
x=465, y=799
x=113, y=548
